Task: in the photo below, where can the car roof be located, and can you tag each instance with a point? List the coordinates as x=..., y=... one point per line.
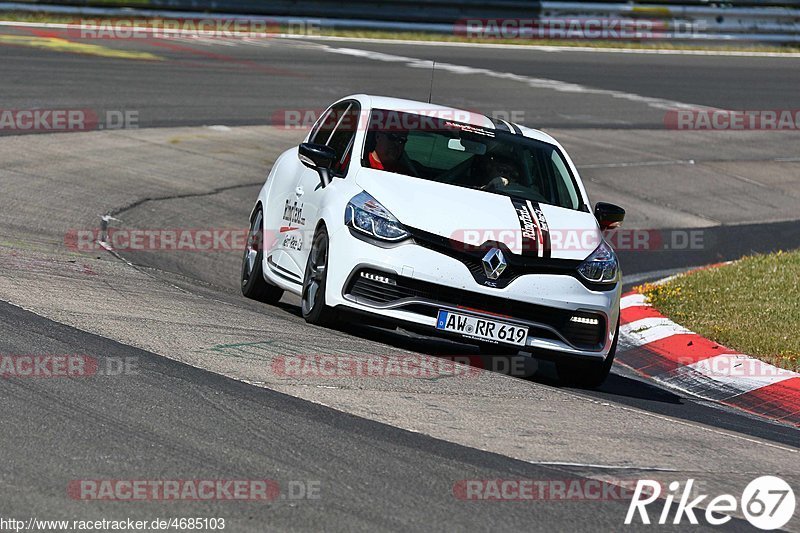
x=459, y=115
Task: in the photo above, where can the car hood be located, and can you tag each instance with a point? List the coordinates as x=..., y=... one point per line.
x=474, y=217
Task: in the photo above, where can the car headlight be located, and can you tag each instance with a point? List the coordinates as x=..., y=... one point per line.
x=601, y=266
x=366, y=214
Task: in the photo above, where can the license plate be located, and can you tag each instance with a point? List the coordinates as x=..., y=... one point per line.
x=481, y=328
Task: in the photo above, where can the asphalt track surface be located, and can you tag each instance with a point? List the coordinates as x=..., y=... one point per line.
x=243, y=83
x=385, y=454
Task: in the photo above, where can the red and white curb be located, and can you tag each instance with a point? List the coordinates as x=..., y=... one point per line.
x=656, y=347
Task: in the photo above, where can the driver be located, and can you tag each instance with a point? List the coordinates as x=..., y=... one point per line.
x=501, y=171
x=389, y=152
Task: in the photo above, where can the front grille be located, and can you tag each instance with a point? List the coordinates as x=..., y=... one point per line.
x=517, y=265
x=472, y=258
x=397, y=288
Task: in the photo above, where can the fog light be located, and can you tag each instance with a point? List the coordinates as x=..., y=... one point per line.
x=377, y=277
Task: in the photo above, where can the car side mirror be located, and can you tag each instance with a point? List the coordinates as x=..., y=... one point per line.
x=318, y=157
x=609, y=216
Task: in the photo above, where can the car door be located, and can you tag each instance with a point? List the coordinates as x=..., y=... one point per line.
x=337, y=131
x=285, y=205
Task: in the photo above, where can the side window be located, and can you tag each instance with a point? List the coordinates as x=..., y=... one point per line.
x=338, y=130
x=325, y=126
x=343, y=138
x=562, y=179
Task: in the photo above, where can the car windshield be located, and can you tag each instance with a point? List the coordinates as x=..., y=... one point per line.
x=491, y=160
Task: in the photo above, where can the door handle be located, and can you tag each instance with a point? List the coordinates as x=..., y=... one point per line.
x=299, y=191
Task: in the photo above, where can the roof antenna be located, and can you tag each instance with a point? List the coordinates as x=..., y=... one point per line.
x=430, y=93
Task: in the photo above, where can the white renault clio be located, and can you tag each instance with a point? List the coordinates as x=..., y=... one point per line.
x=443, y=221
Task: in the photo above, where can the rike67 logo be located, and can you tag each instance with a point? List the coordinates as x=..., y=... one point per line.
x=767, y=502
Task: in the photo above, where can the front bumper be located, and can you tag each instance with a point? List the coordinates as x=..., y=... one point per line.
x=409, y=284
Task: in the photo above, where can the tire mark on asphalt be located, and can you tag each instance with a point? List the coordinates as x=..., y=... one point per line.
x=136, y=203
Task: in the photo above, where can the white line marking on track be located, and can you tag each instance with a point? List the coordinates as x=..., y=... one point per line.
x=547, y=48
x=641, y=164
x=604, y=467
x=668, y=279
x=690, y=424
x=536, y=83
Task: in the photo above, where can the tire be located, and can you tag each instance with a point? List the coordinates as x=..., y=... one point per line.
x=314, y=309
x=587, y=374
x=254, y=286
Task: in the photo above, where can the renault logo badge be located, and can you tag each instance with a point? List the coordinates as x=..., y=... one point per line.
x=494, y=263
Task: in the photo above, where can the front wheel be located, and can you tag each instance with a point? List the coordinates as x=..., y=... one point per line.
x=314, y=309
x=253, y=283
x=587, y=374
